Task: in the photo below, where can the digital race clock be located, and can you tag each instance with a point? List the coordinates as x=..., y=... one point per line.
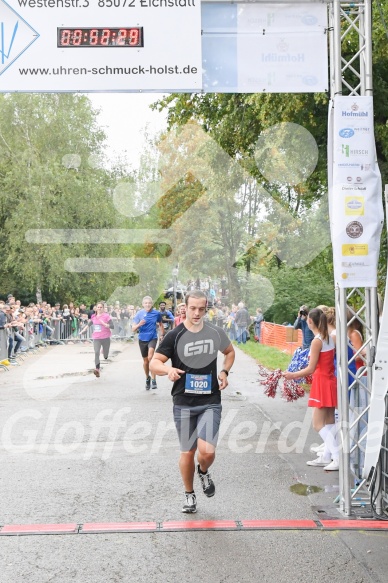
x=100, y=37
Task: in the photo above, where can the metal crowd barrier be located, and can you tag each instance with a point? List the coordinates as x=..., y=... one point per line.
x=123, y=330
x=3, y=348
x=53, y=331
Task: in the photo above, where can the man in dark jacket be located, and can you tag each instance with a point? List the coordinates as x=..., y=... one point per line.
x=242, y=321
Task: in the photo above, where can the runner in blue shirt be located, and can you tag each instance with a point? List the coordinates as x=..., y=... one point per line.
x=145, y=321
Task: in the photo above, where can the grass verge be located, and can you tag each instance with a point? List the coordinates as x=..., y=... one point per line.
x=267, y=356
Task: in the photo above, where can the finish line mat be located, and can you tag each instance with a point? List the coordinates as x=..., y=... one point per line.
x=191, y=525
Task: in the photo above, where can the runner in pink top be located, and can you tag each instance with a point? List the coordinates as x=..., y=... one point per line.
x=101, y=322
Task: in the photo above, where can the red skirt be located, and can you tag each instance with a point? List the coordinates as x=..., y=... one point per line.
x=323, y=391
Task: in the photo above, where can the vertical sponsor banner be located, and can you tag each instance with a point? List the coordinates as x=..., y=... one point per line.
x=356, y=208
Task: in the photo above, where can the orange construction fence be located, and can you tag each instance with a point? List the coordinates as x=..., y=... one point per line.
x=284, y=338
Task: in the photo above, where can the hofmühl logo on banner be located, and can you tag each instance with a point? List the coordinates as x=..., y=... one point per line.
x=283, y=55
x=354, y=230
x=354, y=112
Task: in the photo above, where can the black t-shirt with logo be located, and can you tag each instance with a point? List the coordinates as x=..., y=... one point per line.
x=195, y=353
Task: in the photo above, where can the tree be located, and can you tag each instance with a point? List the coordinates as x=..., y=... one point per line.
x=274, y=212
x=47, y=142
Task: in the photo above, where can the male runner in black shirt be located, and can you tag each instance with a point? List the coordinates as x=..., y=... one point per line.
x=192, y=347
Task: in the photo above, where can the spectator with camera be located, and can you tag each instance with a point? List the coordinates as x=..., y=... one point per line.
x=301, y=323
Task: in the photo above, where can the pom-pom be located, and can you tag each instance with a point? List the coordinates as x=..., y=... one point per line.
x=271, y=380
x=290, y=390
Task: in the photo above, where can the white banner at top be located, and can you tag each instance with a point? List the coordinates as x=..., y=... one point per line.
x=255, y=47
x=356, y=208
x=156, y=45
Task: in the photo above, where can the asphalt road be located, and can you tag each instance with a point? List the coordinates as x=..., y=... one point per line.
x=76, y=449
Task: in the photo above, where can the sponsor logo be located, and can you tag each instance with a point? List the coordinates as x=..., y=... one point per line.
x=346, y=133
x=348, y=165
x=282, y=58
x=309, y=19
x=199, y=347
x=358, y=179
x=283, y=55
x=354, y=112
x=283, y=46
x=354, y=264
x=263, y=20
x=354, y=187
x=366, y=167
x=364, y=130
x=348, y=151
x=309, y=80
x=354, y=205
x=354, y=230
x=16, y=35
x=355, y=249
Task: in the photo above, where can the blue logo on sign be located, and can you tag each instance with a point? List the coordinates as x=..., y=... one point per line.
x=354, y=204
x=5, y=50
x=309, y=80
x=346, y=133
x=16, y=35
x=309, y=19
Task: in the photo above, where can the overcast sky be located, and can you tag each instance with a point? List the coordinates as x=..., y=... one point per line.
x=124, y=117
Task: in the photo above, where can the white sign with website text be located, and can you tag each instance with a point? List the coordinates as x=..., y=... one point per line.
x=100, y=45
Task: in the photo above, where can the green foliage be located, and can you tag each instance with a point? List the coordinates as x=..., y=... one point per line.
x=47, y=142
x=267, y=356
x=294, y=287
x=241, y=237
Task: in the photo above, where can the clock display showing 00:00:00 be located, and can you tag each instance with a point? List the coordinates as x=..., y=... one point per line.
x=100, y=37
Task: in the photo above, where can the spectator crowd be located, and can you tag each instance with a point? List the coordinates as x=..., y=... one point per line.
x=24, y=327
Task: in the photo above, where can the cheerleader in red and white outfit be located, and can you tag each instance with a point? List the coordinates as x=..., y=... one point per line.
x=323, y=394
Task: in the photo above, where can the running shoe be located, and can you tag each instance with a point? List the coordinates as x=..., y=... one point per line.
x=190, y=505
x=318, y=462
x=148, y=383
x=332, y=466
x=208, y=486
x=153, y=384
x=97, y=372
